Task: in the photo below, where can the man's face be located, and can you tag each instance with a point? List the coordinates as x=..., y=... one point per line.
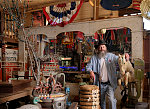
x=102, y=48
x=102, y=51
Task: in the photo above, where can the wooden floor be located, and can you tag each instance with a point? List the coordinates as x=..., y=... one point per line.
x=75, y=106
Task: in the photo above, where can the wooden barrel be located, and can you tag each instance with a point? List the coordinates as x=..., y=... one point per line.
x=89, y=97
x=89, y=87
x=90, y=107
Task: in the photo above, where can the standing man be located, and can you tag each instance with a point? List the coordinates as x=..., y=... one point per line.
x=103, y=66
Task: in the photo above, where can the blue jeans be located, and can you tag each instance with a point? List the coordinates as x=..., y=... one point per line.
x=106, y=89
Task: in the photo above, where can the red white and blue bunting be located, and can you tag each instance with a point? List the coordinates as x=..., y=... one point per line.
x=62, y=14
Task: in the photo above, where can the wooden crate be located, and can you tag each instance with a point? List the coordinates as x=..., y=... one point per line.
x=15, y=85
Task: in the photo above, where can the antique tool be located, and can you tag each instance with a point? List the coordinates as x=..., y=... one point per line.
x=50, y=86
x=53, y=101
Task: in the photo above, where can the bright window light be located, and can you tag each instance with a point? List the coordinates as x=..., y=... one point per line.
x=125, y=15
x=146, y=24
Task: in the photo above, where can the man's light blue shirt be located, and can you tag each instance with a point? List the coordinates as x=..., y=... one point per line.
x=111, y=60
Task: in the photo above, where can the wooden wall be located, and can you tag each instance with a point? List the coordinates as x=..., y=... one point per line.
x=147, y=51
x=86, y=13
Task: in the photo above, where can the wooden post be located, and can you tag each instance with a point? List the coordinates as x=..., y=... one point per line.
x=3, y=49
x=22, y=54
x=8, y=26
x=21, y=51
x=3, y=61
x=96, y=9
x=80, y=61
x=1, y=23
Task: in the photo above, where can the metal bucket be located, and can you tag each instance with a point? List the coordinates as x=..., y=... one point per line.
x=59, y=103
x=141, y=105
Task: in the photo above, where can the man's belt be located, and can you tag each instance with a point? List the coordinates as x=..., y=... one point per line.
x=105, y=82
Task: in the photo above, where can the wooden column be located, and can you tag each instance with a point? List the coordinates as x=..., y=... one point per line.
x=3, y=61
x=3, y=26
x=21, y=51
x=0, y=23
x=79, y=51
x=96, y=9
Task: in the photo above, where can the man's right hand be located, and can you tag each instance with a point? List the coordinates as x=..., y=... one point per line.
x=92, y=76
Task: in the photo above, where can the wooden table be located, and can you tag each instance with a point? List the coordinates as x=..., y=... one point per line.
x=4, y=97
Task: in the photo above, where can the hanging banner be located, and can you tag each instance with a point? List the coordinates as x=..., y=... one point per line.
x=62, y=14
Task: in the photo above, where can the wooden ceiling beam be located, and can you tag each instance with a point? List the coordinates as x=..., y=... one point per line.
x=128, y=11
x=36, y=7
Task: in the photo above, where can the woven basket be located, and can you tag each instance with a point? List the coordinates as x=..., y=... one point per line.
x=89, y=97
